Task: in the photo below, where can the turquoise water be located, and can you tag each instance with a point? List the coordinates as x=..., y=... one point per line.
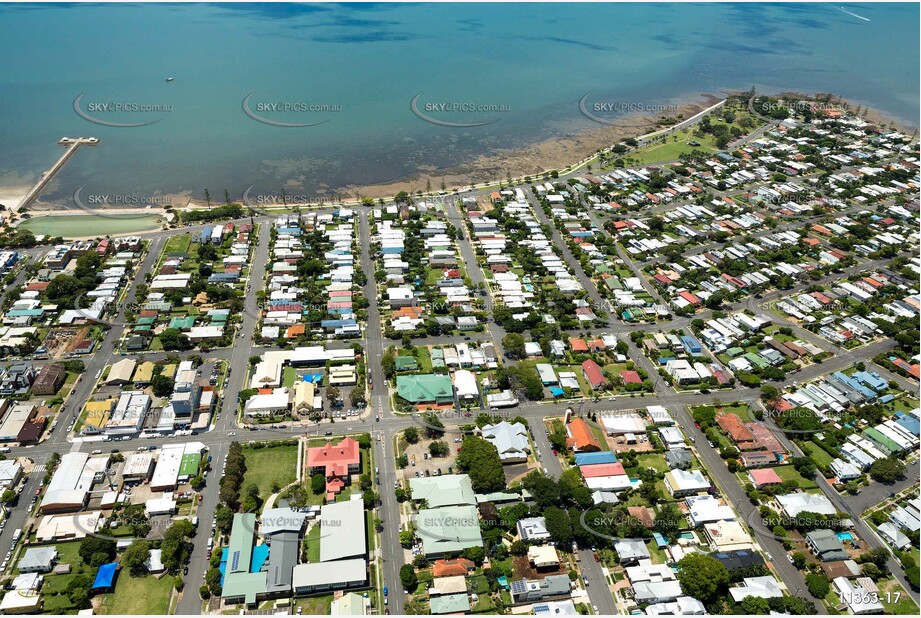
x=537, y=60
x=844, y=536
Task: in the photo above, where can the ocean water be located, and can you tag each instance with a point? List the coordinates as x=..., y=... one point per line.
x=531, y=62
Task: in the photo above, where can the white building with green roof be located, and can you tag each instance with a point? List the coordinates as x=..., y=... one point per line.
x=448, y=530
x=444, y=490
x=426, y=388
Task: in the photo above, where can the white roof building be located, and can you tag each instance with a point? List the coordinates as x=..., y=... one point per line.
x=465, y=385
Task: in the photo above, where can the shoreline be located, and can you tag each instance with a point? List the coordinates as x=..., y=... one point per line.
x=568, y=152
x=555, y=153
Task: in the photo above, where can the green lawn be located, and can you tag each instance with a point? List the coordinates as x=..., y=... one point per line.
x=895, y=599
x=740, y=410
x=271, y=464
x=137, y=595
x=818, y=454
x=178, y=244
x=479, y=584
x=290, y=376
x=313, y=544
x=789, y=473
x=316, y=606
x=655, y=461
x=657, y=555
x=674, y=146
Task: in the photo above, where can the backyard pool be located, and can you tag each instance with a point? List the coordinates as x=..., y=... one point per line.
x=844, y=536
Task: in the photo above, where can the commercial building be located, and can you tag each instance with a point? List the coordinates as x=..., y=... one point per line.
x=342, y=531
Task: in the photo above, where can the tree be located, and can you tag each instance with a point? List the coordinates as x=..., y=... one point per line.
x=702, y=576
x=174, y=549
x=480, y=459
x=755, y=606
x=475, y=553
x=96, y=551
x=558, y=525
x=411, y=434
x=887, y=470
x=135, y=558
x=213, y=581
x=161, y=385
x=357, y=396
x=224, y=517
x=318, y=484
x=174, y=339
x=513, y=343
x=408, y=577
x=439, y=449
x=818, y=585
x=78, y=590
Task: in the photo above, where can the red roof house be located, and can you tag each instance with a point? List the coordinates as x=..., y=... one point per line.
x=593, y=374
x=337, y=462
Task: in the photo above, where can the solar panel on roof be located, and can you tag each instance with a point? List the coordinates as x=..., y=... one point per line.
x=235, y=561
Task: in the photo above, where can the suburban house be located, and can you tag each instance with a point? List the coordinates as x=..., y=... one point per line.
x=594, y=375
x=337, y=463
x=510, y=439
x=580, y=436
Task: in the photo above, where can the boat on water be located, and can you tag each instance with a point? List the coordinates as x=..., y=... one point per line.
x=169, y=79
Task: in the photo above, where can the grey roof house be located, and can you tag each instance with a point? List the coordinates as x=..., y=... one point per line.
x=510, y=439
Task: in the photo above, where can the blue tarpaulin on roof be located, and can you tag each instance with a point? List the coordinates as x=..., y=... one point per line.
x=105, y=576
x=556, y=391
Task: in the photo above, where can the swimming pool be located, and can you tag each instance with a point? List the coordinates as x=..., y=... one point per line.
x=844, y=536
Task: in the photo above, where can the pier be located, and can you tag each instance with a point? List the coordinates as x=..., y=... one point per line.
x=72, y=145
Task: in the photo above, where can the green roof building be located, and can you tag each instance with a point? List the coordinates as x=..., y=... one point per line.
x=756, y=359
x=450, y=604
x=448, y=530
x=183, y=323
x=426, y=388
x=444, y=490
x=406, y=363
x=882, y=440
x=239, y=584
